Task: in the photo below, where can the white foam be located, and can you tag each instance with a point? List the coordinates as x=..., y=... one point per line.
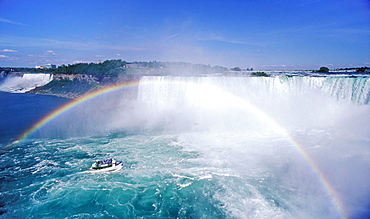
x=25, y=83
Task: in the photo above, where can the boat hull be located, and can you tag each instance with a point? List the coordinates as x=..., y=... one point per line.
x=113, y=168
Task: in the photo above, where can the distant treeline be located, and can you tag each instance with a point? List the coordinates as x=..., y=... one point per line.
x=116, y=67
x=28, y=70
x=362, y=69
x=109, y=68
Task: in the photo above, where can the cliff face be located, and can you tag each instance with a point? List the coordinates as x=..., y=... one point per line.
x=74, y=86
x=78, y=77
x=65, y=85
x=69, y=85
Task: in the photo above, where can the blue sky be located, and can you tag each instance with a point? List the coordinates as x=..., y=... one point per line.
x=260, y=34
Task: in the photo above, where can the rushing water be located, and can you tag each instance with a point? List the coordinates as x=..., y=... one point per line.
x=194, y=147
x=24, y=83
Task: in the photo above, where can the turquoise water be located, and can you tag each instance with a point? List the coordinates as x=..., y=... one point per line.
x=189, y=153
x=160, y=179
x=52, y=180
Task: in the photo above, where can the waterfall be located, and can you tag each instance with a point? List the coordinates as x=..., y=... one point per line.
x=327, y=117
x=356, y=89
x=235, y=103
x=193, y=147
x=25, y=83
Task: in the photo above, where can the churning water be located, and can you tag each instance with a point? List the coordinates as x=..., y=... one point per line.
x=197, y=147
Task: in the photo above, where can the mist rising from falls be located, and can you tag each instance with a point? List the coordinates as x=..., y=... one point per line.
x=24, y=83
x=356, y=89
x=253, y=104
x=221, y=142
x=237, y=124
x=236, y=102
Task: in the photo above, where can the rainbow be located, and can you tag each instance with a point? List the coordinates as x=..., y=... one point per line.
x=339, y=205
x=336, y=200
x=70, y=105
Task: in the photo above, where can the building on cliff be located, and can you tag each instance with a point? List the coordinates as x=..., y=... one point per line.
x=46, y=66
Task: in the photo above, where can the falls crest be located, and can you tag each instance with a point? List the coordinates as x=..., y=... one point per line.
x=238, y=102
x=24, y=83
x=356, y=89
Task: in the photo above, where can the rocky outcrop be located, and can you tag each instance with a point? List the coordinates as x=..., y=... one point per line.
x=78, y=77
x=74, y=86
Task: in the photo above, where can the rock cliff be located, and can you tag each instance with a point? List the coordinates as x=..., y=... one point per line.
x=78, y=77
x=74, y=86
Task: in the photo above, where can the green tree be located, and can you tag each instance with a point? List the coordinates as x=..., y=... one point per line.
x=324, y=69
x=260, y=73
x=236, y=69
x=362, y=69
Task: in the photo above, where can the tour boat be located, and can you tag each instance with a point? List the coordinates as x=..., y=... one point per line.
x=105, y=166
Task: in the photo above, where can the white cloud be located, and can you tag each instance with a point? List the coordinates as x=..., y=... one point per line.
x=8, y=50
x=82, y=61
x=169, y=37
x=307, y=2
x=21, y=41
x=214, y=37
x=50, y=52
x=2, y=56
x=4, y=20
